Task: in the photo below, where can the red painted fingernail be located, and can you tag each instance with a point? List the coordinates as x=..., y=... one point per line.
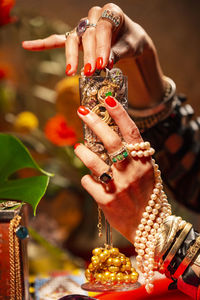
x=99, y=63
x=87, y=69
x=83, y=110
x=110, y=101
x=68, y=68
x=76, y=145
x=110, y=65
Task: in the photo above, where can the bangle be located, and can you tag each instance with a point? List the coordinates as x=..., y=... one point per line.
x=147, y=118
x=175, y=248
x=192, y=251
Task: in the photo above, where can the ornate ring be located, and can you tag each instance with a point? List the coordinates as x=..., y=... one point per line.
x=112, y=17
x=105, y=177
x=82, y=26
x=119, y=155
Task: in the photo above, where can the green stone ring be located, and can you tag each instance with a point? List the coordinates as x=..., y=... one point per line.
x=119, y=155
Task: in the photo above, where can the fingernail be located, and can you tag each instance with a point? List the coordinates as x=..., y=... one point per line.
x=83, y=110
x=68, y=68
x=110, y=101
x=99, y=63
x=76, y=145
x=87, y=69
x=110, y=65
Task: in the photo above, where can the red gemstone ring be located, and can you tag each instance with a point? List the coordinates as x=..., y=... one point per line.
x=82, y=26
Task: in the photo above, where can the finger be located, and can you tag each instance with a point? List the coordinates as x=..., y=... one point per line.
x=126, y=125
x=105, y=33
x=91, y=160
x=51, y=42
x=96, y=190
x=89, y=41
x=71, y=53
x=111, y=140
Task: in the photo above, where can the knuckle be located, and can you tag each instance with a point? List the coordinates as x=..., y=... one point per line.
x=93, y=9
x=84, y=180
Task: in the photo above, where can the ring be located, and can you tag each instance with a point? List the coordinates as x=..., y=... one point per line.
x=142, y=149
x=112, y=17
x=105, y=177
x=119, y=155
x=82, y=26
x=69, y=32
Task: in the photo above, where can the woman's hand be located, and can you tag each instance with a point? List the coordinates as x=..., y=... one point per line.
x=102, y=45
x=133, y=179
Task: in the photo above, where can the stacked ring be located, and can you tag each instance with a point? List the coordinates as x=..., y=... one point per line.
x=119, y=155
x=112, y=17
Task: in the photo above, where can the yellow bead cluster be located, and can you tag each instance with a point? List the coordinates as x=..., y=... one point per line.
x=109, y=266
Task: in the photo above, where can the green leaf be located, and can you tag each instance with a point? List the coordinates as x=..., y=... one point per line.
x=13, y=157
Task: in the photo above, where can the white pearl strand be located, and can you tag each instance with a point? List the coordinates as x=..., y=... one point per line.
x=155, y=213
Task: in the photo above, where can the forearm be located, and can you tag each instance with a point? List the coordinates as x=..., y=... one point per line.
x=146, y=85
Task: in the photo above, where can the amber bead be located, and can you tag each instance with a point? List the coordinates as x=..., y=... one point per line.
x=96, y=251
x=109, y=261
x=102, y=257
x=91, y=267
x=99, y=277
x=114, y=252
x=116, y=262
x=120, y=277
x=127, y=278
x=134, y=277
x=113, y=269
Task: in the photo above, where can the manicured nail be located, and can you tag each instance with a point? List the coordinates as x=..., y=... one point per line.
x=87, y=69
x=110, y=64
x=99, y=63
x=110, y=101
x=76, y=145
x=83, y=110
x=68, y=68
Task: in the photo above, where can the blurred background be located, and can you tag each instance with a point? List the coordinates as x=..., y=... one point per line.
x=37, y=103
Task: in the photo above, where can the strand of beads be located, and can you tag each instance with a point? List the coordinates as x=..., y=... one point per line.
x=155, y=213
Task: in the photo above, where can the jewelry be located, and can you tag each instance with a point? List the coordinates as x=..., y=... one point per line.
x=99, y=225
x=175, y=247
x=169, y=229
x=119, y=155
x=105, y=177
x=82, y=26
x=142, y=149
x=112, y=17
x=192, y=251
x=157, y=210
x=101, y=111
x=147, y=118
x=15, y=267
x=69, y=32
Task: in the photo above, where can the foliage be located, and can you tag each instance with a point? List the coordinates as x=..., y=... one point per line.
x=14, y=157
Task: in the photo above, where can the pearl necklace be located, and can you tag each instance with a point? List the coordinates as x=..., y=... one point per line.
x=153, y=217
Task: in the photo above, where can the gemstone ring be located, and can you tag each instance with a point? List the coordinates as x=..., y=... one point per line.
x=82, y=26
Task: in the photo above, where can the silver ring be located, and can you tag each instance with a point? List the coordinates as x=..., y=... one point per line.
x=82, y=26
x=111, y=17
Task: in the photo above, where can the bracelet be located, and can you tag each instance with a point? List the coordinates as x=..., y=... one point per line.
x=175, y=248
x=192, y=251
x=147, y=118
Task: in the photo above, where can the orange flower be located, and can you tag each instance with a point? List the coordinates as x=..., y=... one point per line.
x=5, y=8
x=58, y=132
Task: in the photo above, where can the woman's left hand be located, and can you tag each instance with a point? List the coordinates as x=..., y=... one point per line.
x=133, y=178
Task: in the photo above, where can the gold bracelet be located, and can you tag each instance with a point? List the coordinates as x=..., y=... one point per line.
x=175, y=247
x=191, y=252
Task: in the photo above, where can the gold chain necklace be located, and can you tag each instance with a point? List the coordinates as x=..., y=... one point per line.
x=14, y=253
